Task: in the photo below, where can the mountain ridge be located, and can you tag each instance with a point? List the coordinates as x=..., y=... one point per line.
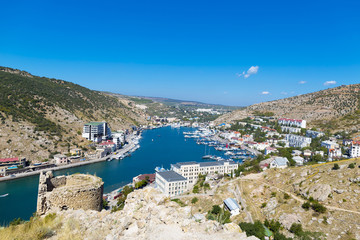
x=337, y=106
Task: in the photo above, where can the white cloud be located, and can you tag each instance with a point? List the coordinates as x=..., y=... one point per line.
x=327, y=83
x=251, y=71
x=284, y=93
x=302, y=82
x=265, y=93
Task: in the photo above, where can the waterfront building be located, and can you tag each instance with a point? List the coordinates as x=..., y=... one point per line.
x=191, y=170
x=231, y=205
x=108, y=144
x=314, y=134
x=12, y=161
x=96, y=131
x=171, y=183
x=292, y=122
x=297, y=141
x=60, y=159
x=75, y=151
x=279, y=162
x=149, y=177
x=355, y=149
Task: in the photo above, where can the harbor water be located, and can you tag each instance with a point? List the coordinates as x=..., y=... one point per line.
x=158, y=147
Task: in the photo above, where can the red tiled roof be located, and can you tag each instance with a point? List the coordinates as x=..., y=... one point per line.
x=9, y=159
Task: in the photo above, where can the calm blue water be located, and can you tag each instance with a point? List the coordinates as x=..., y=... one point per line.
x=159, y=147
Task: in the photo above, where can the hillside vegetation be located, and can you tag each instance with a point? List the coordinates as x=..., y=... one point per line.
x=50, y=112
x=333, y=109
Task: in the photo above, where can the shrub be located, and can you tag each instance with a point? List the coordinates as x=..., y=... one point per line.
x=263, y=205
x=296, y=229
x=336, y=167
x=286, y=196
x=196, y=189
x=351, y=165
x=273, y=194
x=273, y=225
x=215, y=209
x=306, y=205
x=318, y=207
x=178, y=201
x=194, y=200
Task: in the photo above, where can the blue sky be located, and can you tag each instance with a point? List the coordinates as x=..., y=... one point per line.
x=191, y=50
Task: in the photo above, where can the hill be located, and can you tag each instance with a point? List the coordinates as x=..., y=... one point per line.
x=41, y=116
x=182, y=109
x=333, y=109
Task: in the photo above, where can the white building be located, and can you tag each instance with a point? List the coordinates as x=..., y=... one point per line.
x=355, y=149
x=96, y=131
x=60, y=159
x=279, y=162
x=297, y=141
x=298, y=160
x=314, y=134
x=329, y=144
x=286, y=129
x=231, y=205
x=292, y=122
x=171, y=183
x=334, y=153
x=191, y=170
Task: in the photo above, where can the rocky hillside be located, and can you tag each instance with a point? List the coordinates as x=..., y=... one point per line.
x=147, y=214
x=41, y=116
x=334, y=109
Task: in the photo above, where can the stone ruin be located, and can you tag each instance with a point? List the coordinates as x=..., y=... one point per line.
x=78, y=191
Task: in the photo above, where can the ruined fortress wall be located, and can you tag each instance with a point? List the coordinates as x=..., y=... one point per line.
x=78, y=191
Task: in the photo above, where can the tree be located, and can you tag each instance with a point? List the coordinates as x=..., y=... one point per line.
x=216, y=209
x=336, y=167
x=257, y=229
x=318, y=207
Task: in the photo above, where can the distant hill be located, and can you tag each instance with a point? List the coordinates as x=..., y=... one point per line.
x=182, y=109
x=333, y=109
x=43, y=115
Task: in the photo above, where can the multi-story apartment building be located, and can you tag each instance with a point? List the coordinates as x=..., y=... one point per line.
x=96, y=131
x=171, y=183
x=286, y=129
x=292, y=122
x=355, y=149
x=297, y=141
x=191, y=170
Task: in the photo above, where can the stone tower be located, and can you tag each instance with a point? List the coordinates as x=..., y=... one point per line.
x=78, y=191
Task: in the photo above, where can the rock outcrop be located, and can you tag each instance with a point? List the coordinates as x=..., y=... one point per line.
x=149, y=214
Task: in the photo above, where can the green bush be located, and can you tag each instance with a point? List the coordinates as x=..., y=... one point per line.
x=215, y=209
x=257, y=229
x=336, y=167
x=351, y=165
x=318, y=207
x=306, y=205
x=194, y=200
x=286, y=196
x=196, y=189
x=296, y=229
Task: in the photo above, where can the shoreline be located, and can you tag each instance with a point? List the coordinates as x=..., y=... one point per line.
x=127, y=148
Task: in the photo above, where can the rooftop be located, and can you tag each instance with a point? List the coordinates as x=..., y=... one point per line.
x=171, y=176
x=231, y=204
x=9, y=159
x=94, y=123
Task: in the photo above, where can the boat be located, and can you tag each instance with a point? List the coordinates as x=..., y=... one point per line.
x=4, y=195
x=160, y=169
x=207, y=157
